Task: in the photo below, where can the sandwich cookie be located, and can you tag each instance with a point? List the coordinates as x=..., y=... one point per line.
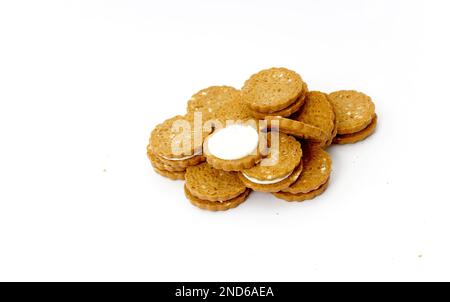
x=315, y=175
x=354, y=110
x=234, y=147
x=174, y=145
x=296, y=128
x=277, y=171
x=173, y=175
x=317, y=111
x=301, y=196
x=272, y=90
x=357, y=136
x=288, y=111
x=214, y=189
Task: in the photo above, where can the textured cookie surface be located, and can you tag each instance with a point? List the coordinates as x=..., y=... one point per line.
x=272, y=89
x=302, y=196
x=275, y=187
x=357, y=136
x=318, y=111
x=296, y=128
x=219, y=104
x=354, y=110
x=283, y=158
x=291, y=109
x=216, y=205
x=176, y=138
x=207, y=183
x=208, y=99
x=316, y=170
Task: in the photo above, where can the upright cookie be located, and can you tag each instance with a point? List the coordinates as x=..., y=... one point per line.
x=354, y=110
x=280, y=169
x=296, y=128
x=234, y=147
x=316, y=170
x=272, y=89
x=317, y=111
x=214, y=189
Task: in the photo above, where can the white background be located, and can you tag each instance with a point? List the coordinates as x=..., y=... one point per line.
x=82, y=84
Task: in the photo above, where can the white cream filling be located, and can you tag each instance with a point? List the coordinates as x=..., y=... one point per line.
x=180, y=158
x=233, y=142
x=266, y=182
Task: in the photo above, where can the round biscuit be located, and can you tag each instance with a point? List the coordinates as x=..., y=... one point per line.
x=272, y=89
x=216, y=205
x=207, y=183
x=316, y=170
x=354, y=110
x=358, y=136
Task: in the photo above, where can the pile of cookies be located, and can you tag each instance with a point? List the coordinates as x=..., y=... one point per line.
x=270, y=136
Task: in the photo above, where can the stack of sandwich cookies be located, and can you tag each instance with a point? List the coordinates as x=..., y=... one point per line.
x=234, y=147
x=269, y=137
x=171, y=153
x=314, y=178
x=355, y=116
x=279, y=170
x=274, y=92
x=214, y=189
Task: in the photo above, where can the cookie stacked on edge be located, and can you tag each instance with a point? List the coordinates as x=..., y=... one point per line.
x=270, y=136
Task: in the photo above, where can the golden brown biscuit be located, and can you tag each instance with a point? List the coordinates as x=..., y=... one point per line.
x=357, y=136
x=216, y=205
x=317, y=111
x=282, y=160
x=207, y=183
x=173, y=165
x=301, y=196
x=160, y=165
x=354, y=110
x=316, y=170
x=218, y=104
x=170, y=174
x=273, y=187
x=176, y=138
x=272, y=89
x=208, y=99
x=296, y=128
